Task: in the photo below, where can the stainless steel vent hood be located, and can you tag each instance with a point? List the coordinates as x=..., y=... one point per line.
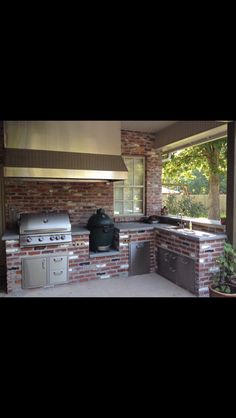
x=64, y=150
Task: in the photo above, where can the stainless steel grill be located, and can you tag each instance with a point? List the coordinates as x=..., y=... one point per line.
x=44, y=228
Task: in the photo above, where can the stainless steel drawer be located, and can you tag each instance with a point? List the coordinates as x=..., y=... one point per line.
x=58, y=276
x=58, y=262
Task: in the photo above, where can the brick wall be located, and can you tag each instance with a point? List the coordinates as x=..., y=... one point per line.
x=82, y=199
x=82, y=267
x=204, y=253
x=139, y=144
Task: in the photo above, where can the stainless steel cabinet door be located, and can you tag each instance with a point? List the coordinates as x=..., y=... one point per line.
x=186, y=273
x=139, y=258
x=167, y=263
x=34, y=272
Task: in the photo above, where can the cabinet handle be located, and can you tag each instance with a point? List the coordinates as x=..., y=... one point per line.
x=43, y=264
x=57, y=260
x=58, y=273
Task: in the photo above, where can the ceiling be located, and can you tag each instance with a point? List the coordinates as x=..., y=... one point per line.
x=152, y=126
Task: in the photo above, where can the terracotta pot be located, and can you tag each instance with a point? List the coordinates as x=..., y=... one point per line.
x=215, y=294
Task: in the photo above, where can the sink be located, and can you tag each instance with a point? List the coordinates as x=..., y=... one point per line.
x=188, y=231
x=194, y=232
x=167, y=226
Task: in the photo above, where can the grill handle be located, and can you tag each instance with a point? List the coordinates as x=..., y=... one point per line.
x=44, y=231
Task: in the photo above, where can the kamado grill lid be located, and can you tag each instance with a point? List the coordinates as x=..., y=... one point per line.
x=100, y=219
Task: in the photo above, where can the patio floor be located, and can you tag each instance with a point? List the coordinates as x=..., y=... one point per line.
x=147, y=285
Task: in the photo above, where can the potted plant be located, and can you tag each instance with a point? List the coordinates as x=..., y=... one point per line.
x=224, y=284
x=223, y=220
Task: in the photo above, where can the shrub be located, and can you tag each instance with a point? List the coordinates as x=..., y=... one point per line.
x=186, y=205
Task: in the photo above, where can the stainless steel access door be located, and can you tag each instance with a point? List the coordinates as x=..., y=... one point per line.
x=139, y=258
x=34, y=272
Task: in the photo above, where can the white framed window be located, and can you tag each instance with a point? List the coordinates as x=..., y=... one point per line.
x=129, y=195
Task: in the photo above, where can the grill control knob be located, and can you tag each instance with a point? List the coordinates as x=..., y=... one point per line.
x=29, y=239
x=52, y=238
x=63, y=237
x=40, y=239
x=57, y=237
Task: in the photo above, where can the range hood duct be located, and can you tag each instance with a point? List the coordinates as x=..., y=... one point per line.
x=37, y=150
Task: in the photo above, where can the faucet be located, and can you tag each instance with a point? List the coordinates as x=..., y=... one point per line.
x=182, y=224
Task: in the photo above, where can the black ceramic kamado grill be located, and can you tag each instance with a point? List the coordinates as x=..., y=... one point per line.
x=101, y=228
x=44, y=228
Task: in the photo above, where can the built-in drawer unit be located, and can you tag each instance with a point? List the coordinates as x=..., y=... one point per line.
x=44, y=271
x=58, y=262
x=58, y=269
x=176, y=267
x=58, y=276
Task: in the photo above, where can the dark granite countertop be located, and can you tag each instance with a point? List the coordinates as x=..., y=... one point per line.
x=133, y=226
x=10, y=235
x=79, y=230
x=138, y=226
x=193, y=235
x=210, y=223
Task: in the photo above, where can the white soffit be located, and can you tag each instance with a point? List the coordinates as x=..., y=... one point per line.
x=146, y=126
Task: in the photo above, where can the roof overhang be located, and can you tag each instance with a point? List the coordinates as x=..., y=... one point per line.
x=189, y=133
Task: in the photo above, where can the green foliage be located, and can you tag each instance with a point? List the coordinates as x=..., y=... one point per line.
x=227, y=264
x=193, y=166
x=186, y=205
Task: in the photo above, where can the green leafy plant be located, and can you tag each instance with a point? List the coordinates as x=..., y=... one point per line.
x=227, y=264
x=186, y=205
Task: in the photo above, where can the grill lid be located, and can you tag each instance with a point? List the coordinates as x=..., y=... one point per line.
x=99, y=220
x=43, y=223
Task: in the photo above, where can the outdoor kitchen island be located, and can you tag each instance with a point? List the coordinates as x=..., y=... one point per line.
x=200, y=246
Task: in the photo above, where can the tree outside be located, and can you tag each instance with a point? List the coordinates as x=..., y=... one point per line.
x=203, y=168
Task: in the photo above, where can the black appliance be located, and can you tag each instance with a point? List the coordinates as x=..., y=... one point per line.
x=101, y=228
x=150, y=219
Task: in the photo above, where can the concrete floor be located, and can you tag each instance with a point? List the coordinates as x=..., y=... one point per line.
x=147, y=285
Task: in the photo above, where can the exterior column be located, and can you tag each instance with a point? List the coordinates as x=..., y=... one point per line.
x=231, y=184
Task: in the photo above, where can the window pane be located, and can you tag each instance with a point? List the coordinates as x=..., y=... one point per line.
x=119, y=193
x=130, y=166
x=138, y=207
x=118, y=208
x=128, y=193
x=119, y=183
x=138, y=172
x=138, y=194
x=128, y=208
